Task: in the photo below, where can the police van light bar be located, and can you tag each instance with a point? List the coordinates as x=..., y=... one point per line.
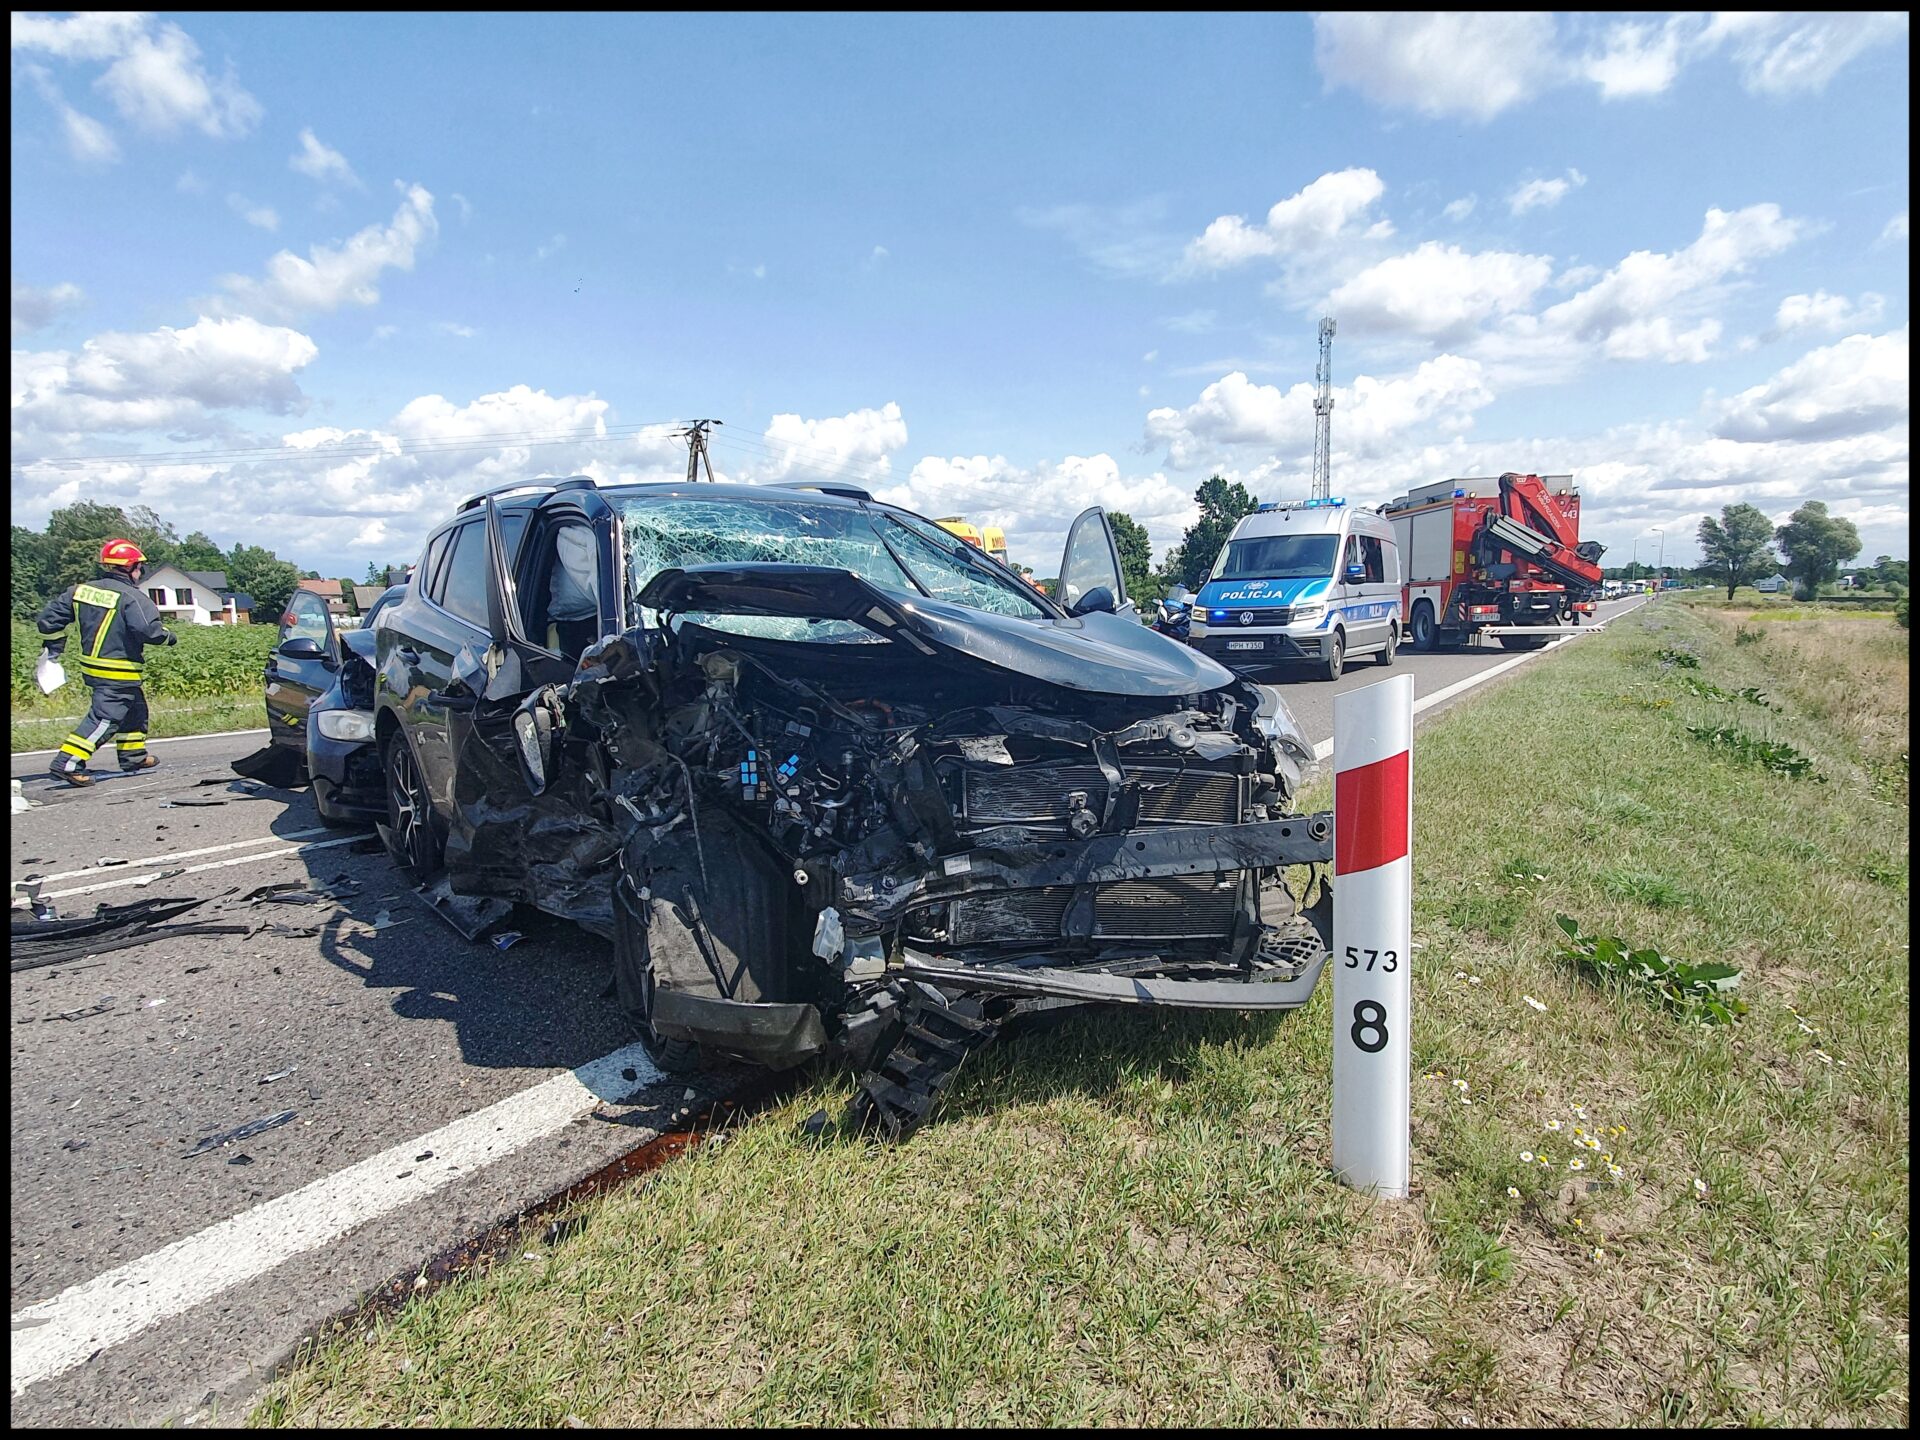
x=1300, y=504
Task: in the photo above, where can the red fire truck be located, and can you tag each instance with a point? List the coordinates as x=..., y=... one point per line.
x=1500, y=557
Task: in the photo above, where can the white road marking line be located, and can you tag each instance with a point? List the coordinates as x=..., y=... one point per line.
x=164, y=860
x=100, y=1313
x=282, y=853
x=1459, y=687
x=163, y=740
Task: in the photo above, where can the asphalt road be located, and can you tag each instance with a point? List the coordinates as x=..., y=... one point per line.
x=148, y=1282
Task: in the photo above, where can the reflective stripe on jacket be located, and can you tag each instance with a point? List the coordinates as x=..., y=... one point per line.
x=116, y=621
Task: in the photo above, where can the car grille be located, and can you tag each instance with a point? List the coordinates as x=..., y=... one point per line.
x=1271, y=615
x=1037, y=794
x=1178, y=907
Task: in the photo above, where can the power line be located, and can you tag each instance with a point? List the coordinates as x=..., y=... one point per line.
x=350, y=449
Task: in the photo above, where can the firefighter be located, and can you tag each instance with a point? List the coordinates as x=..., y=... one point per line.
x=117, y=623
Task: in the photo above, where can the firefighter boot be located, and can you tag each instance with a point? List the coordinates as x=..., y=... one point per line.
x=74, y=772
x=144, y=762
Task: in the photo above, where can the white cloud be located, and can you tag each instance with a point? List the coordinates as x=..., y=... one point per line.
x=457, y=330
x=1035, y=504
x=1193, y=322
x=1439, y=291
x=1543, y=194
x=1821, y=311
x=1784, y=54
x=155, y=77
x=1460, y=209
x=880, y=255
x=1306, y=221
x=466, y=206
x=1121, y=240
x=1638, y=58
x=36, y=308
x=1474, y=65
x=322, y=162
x=264, y=216
x=1235, y=412
x=345, y=275
x=1478, y=65
x=1646, y=307
x=88, y=141
x=1838, y=392
x=857, y=446
x=551, y=247
x=190, y=183
x=1895, y=232
x=161, y=379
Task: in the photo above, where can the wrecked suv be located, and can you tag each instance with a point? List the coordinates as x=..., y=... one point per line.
x=833, y=781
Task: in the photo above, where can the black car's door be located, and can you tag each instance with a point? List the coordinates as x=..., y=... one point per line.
x=1091, y=562
x=505, y=840
x=300, y=668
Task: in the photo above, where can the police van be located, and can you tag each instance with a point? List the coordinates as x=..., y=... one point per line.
x=1303, y=582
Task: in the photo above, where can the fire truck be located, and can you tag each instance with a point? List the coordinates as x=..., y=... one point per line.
x=1494, y=557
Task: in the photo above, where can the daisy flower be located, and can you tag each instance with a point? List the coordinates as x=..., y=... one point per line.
x=1553, y=1124
x=1576, y=1164
x=1598, y=1253
x=1513, y=1192
x=1579, y=1112
x=1614, y=1172
x=1699, y=1187
x=1459, y=1084
x=1533, y=1002
x=1526, y=1157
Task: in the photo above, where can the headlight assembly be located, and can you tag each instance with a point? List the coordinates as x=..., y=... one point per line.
x=345, y=724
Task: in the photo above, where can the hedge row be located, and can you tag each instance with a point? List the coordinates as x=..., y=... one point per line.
x=209, y=661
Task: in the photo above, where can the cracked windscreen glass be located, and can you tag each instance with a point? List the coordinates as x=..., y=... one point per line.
x=667, y=531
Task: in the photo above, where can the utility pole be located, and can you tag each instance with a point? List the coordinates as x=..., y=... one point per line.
x=1323, y=414
x=695, y=435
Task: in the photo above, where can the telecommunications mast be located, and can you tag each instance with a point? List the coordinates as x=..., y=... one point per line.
x=1323, y=413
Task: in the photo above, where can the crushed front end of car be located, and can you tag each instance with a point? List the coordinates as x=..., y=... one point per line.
x=819, y=819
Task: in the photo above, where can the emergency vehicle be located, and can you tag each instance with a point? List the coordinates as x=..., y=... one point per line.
x=1313, y=581
x=990, y=538
x=1500, y=557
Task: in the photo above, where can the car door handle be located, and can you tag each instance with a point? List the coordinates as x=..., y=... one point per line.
x=408, y=654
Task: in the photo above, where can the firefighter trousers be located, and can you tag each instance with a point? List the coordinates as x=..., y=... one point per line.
x=117, y=706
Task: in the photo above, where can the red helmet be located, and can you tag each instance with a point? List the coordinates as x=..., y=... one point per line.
x=121, y=552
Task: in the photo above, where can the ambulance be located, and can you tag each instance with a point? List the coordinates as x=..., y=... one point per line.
x=1303, y=582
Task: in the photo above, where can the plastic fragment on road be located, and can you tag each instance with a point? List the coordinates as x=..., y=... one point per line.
x=239, y=1132
x=106, y=860
x=470, y=915
x=278, y=1075
x=506, y=939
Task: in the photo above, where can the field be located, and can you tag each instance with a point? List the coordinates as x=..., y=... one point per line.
x=210, y=681
x=1621, y=1215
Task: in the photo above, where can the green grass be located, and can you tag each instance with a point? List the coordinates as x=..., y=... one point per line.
x=1128, y=1219
x=166, y=717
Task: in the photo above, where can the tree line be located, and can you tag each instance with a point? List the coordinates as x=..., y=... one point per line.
x=1738, y=548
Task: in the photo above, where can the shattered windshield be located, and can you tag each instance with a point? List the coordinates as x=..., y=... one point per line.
x=1277, y=557
x=668, y=531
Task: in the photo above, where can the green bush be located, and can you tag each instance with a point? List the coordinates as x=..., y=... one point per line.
x=1900, y=612
x=209, y=661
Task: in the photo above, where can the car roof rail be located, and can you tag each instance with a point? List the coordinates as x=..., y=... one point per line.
x=831, y=487
x=552, y=487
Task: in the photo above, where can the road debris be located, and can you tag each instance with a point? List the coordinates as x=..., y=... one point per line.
x=239, y=1132
x=50, y=940
x=470, y=915
x=75, y=1144
x=278, y=1075
x=564, y=1229
x=506, y=939
x=105, y=1004
x=106, y=860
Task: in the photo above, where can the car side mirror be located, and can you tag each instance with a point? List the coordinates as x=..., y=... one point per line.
x=533, y=741
x=1356, y=572
x=1098, y=598
x=302, y=647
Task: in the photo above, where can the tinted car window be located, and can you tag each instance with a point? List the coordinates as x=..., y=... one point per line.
x=306, y=618
x=463, y=588
x=430, y=582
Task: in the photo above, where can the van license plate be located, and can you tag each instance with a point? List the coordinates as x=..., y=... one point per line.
x=1246, y=645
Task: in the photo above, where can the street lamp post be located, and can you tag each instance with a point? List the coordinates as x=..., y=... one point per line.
x=1636, y=557
x=1660, y=569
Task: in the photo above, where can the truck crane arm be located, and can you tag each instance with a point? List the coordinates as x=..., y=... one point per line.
x=1528, y=526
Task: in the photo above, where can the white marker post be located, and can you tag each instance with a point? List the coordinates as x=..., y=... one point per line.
x=1372, y=934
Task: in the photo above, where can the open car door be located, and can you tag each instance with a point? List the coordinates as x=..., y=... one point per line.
x=522, y=828
x=1090, y=568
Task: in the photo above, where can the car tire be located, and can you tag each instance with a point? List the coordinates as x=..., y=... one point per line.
x=1336, y=661
x=1425, y=633
x=414, y=842
x=633, y=984
x=1391, y=648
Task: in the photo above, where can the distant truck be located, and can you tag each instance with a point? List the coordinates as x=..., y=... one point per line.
x=1494, y=556
x=990, y=538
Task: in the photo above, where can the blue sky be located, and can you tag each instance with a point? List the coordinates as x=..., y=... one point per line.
x=998, y=266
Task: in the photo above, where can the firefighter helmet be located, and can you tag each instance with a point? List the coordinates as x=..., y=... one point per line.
x=121, y=552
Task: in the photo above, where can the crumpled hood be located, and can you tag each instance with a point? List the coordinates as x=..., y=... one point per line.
x=1226, y=594
x=1099, y=653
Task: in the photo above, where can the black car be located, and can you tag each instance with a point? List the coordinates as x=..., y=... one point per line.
x=319, y=693
x=832, y=780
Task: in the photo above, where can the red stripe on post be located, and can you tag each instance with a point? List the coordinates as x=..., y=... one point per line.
x=1370, y=815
